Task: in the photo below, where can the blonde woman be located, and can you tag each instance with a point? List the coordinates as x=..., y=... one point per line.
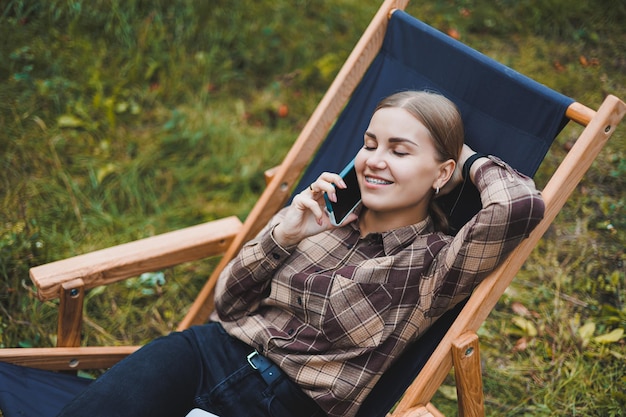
x=309, y=315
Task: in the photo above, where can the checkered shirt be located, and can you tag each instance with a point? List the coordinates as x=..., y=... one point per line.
x=336, y=310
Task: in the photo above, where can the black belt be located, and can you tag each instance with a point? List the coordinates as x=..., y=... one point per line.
x=268, y=370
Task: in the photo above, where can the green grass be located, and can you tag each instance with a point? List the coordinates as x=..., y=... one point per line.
x=121, y=120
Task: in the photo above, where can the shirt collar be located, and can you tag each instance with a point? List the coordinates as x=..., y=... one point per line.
x=396, y=239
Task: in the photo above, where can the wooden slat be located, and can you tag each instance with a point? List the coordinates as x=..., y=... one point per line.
x=469, y=382
x=70, y=322
x=68, y=358
x=486, y=295
x=580, y=114
x=131, y=259
x=301, y=153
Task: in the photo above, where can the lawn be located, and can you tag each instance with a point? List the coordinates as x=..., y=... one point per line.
x=125, y=119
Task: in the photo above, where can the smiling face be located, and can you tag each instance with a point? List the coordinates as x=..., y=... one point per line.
x=398, y=170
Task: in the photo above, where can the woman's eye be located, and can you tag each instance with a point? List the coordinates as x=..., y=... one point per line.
x=400, y=153
x=369, y=147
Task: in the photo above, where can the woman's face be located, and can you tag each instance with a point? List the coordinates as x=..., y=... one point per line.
x=397, y=168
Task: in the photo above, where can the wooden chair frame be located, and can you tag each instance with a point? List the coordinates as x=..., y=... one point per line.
x=68, y=279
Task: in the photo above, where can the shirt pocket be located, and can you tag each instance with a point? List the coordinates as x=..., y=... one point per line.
x=355, y=313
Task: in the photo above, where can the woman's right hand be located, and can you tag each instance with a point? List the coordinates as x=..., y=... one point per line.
x=306, y=216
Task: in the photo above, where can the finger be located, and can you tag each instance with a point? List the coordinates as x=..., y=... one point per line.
x=315, y=210
x=331, y=178
x=307, y=204
x=327, y=183
x=326, y=179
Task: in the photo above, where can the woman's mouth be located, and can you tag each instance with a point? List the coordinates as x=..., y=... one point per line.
x=377, y=181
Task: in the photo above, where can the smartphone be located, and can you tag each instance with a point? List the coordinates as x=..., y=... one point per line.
x=348, y=199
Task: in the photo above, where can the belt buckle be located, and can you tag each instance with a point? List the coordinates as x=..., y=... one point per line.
x=250, y=356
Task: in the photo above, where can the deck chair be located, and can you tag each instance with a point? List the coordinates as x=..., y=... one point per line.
x=505, y=114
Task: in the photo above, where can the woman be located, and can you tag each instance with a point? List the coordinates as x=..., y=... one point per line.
x=309, y=315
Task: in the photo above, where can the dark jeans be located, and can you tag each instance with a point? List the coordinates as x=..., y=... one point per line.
x=201, y=367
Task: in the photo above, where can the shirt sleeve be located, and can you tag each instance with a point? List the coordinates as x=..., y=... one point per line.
x=511, y=208
x=246, y=279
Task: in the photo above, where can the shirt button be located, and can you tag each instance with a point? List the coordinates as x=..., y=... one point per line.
x=275, y=256
x=299, y=300
x=290, y=332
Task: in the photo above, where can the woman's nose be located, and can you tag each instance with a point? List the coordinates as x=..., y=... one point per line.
x=376, y=161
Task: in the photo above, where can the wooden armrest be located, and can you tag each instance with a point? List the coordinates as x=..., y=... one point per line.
x=67, y=358
x=131, y=259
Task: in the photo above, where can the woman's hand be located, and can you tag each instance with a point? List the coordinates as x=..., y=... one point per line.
x=306, y=216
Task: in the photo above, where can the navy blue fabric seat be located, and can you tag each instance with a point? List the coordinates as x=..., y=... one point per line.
x=29, y=392
x=505, y=114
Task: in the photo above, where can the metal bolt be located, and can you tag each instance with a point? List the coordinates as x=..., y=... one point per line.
x=607, y=129
x=74, y=292
x=73, y=363
x=469, y=351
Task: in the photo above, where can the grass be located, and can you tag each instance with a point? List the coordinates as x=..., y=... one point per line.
x=122, y=120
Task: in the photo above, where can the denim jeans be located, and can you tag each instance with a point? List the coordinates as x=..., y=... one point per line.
x=201, y=367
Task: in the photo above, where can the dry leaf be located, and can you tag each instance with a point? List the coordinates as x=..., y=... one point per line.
x=558, y=66
x=520, y=309
x=520, y=345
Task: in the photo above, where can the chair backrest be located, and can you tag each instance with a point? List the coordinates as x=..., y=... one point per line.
x=504, y=112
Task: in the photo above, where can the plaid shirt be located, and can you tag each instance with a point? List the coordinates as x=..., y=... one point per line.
x=335, y=311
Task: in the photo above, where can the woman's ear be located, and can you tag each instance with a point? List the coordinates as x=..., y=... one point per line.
x=446, y=170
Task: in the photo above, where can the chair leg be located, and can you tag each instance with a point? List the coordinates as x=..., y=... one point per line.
x=467, y=371
x=71, y=313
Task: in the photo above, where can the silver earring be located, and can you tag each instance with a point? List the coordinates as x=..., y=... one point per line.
x=437, y=191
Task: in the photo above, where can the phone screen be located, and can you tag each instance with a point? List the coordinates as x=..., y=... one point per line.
x=347, y=198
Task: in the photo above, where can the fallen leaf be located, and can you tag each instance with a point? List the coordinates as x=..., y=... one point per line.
x=454, y=33
x=586, y=332
x=610, y=337
x=558, y=66
x=521, y=345
x=283, y=110
x=69, y=121
x=526, y=325
x=520, y=309
x=105, y=171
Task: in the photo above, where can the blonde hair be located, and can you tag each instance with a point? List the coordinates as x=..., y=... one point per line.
x=442, y=119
